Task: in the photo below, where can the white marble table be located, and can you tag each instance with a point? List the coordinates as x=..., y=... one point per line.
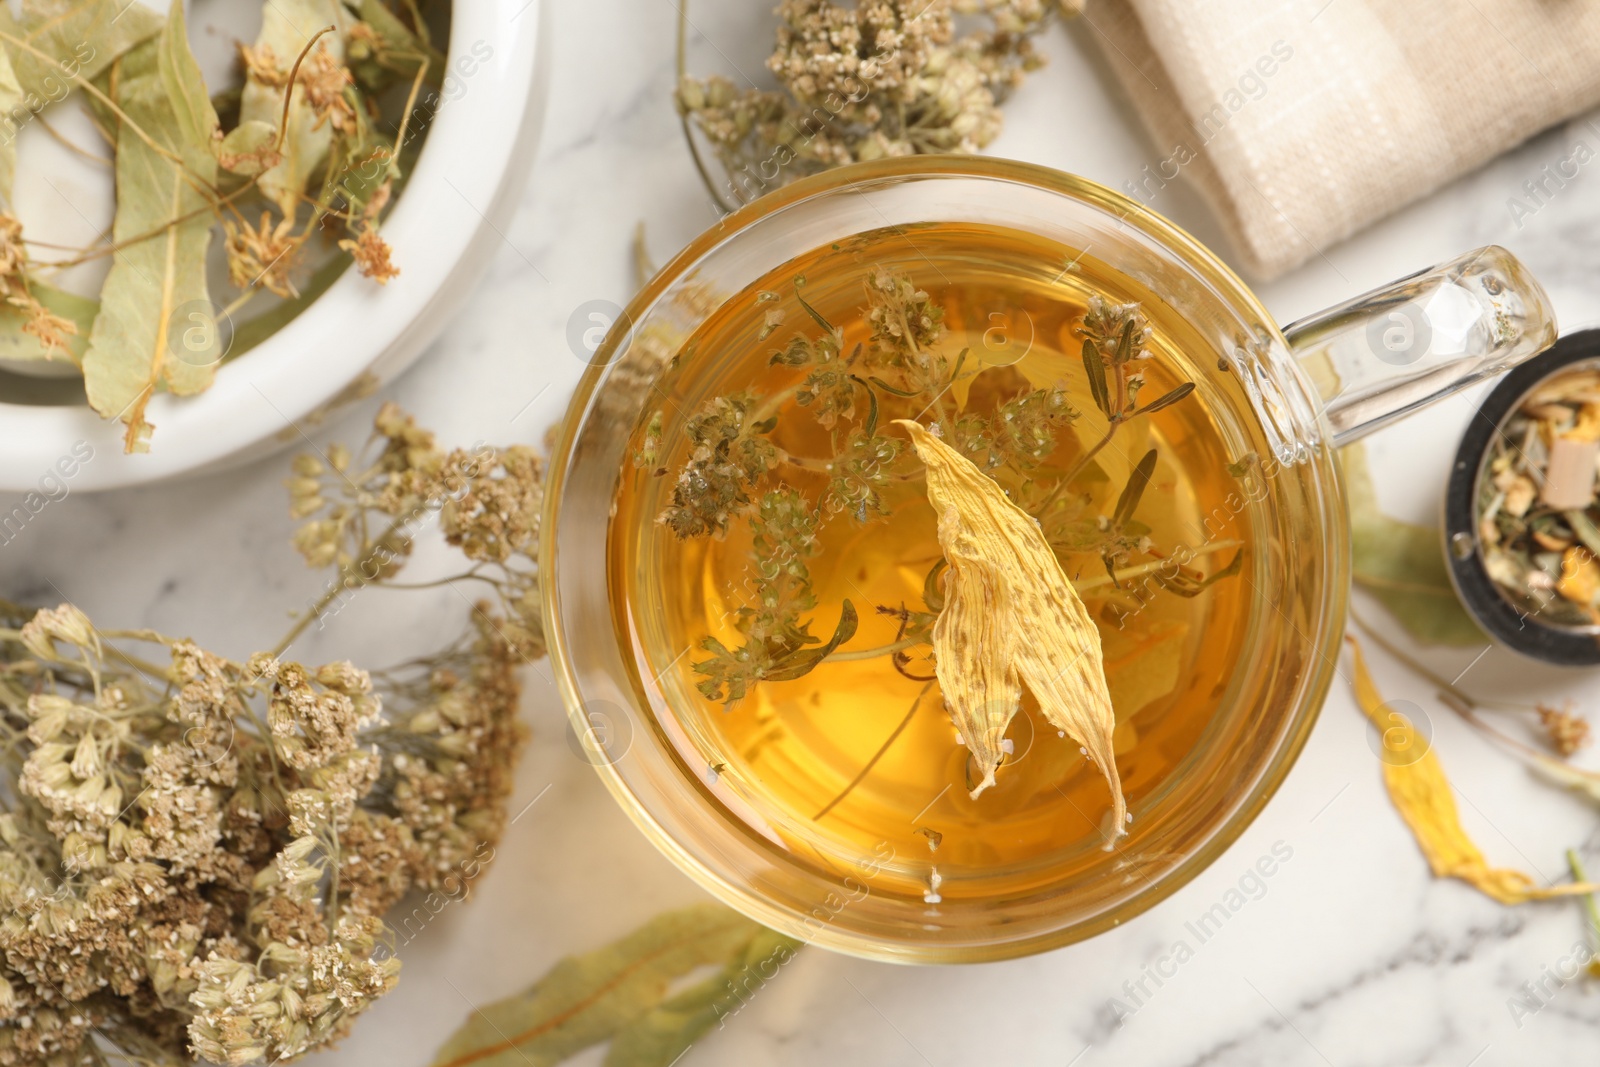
x=1353, y=955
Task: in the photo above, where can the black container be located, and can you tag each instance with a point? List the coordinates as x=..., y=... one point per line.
x=1502, y=620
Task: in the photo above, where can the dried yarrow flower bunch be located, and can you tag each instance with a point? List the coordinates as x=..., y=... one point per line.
x=291, y=166
x=880, y=78
x=196, y=853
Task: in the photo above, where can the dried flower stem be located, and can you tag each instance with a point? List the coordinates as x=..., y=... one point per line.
x=405, y=118
x=1083, y=461
x=1591, y=911
x=1138, y=571
x=1465, y=706
x=866, y=768
x=61, y=139
x=643, y=268
x=1458, y=697
x=294, y=76
x=682, y=67
x=858, y=654
x=93, y=90
x=338, y=589
x=111, y=248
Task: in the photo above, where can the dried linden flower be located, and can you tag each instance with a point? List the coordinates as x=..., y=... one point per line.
x=49, y=329
x=263, y=255
x=371, y=254
x=1567, y=732
x=324, y=80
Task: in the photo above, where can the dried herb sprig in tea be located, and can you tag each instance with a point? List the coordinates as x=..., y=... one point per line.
x=864, y=82
x=1114, y=338
x=293, y=167
x=197, y=852
x=897, y=373
x=1537, y=509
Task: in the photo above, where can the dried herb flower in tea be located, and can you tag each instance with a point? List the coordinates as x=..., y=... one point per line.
x=1537, y=508
x=942, y=554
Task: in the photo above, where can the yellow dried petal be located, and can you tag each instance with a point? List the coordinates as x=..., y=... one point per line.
x=1011, y=618
x=1580, y=576
x=1421, y=792
x=1587, y=427
x=979, y=682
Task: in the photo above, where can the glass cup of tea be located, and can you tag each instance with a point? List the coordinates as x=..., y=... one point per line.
x=742, y=569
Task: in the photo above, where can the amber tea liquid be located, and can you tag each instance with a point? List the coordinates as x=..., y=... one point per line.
x=845, y=767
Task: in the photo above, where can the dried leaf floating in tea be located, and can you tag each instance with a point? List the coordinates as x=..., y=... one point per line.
x=1010, y=618
x=1421, y=792
x=1143, y=667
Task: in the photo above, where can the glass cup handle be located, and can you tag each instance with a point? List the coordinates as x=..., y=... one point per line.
x=1401, y=347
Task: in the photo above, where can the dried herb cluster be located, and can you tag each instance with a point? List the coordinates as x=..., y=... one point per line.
x=881, y=78
x=1538, y=514
x=849, y=385
x=196, y=853
x=295, y=166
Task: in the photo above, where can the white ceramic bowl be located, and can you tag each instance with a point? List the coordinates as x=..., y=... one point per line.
x=443, y=228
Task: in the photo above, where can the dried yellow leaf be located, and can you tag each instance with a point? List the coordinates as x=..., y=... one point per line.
x=1419, y=789
x=1010, y=618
